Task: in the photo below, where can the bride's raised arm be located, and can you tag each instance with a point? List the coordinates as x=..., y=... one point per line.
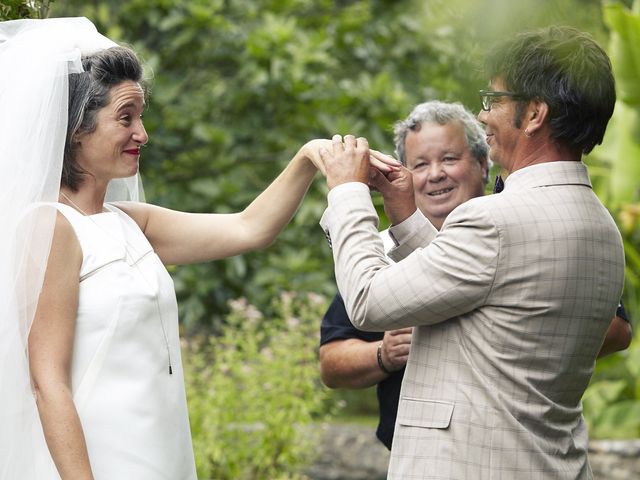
x=180, y=237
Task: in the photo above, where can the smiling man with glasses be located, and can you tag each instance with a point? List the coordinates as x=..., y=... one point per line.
x=511, y=299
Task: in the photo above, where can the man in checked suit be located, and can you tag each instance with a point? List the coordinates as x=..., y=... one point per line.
x=511, y=299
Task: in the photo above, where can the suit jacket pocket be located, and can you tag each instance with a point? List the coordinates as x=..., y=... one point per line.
x=417, y=412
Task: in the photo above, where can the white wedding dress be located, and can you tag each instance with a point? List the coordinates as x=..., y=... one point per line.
x=133, y=411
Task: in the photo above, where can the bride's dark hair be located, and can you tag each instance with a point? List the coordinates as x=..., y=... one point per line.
x=88, y=93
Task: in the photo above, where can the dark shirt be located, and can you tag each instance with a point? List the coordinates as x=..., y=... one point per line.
x=620, y=312
x=337, y=326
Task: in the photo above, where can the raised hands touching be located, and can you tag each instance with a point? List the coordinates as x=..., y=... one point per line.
x=348, y=160
x=396, y=188
x=312, y=150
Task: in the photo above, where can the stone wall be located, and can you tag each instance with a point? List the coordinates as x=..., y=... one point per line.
x=351, y=452
x=615, y=459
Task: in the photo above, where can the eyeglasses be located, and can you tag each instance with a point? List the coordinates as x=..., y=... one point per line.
x=487, y=97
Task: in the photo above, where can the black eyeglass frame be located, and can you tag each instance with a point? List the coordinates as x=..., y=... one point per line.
x=486, y=95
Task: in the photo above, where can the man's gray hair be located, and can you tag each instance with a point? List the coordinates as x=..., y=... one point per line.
x=442, y=113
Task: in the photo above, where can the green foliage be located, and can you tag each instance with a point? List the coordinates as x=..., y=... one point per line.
x=17, y=9
x=238, y=86
x=619, y=185
x=614, y=165
x=14, y=9
x=254, y=393
x=612, y=401
x=628, y=217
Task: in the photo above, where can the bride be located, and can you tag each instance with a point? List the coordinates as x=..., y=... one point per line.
x=92, y=383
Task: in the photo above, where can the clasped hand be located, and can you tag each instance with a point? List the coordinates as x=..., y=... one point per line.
x=395, y=348
x=350, y=159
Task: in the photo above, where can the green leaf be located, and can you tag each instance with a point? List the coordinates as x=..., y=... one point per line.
x=620, y=420
x=621, y=143
x=623, y=50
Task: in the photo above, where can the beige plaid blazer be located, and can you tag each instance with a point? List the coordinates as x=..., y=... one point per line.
x=511, y=299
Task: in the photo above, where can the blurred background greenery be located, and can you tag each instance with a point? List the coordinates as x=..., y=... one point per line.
x=237, y=86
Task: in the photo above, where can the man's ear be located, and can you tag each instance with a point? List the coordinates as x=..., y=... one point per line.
x=484, y=165
x=536, y=115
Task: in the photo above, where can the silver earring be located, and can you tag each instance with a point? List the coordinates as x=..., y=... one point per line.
x=527, y=133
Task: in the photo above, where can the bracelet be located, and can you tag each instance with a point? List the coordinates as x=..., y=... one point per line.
x=380, y=364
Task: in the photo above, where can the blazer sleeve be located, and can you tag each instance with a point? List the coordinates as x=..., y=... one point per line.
x=415, y=232
x=449, y=277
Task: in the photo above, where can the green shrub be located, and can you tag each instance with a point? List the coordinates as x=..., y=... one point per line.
x=17, y=9
x=254, y=391
x=612, y=402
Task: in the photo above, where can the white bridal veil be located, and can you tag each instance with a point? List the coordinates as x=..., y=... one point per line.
x=36, y=57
